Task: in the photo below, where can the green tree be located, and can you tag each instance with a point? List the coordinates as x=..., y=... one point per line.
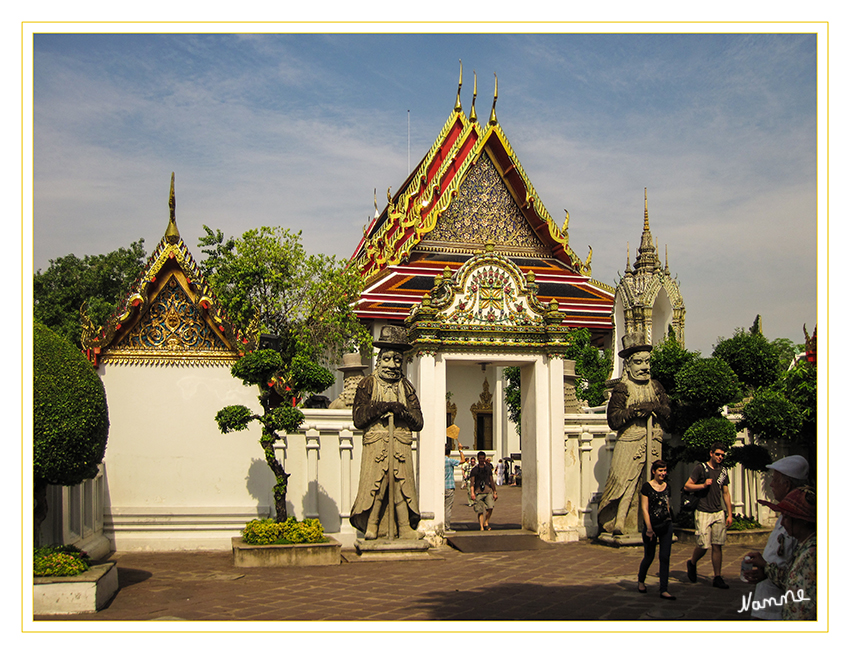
x=101, y=281
x=305, y=299
x=70, y=417
x=261, y=369
x=787, y=351
x=755, y=361
x=593, y=367
x=513, y=396
x=667, y=359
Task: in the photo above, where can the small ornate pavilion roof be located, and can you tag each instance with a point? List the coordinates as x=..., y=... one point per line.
x=468, y=190
x=640, y=287
x=170, y=315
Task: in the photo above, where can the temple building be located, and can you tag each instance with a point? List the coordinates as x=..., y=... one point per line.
x=467, y=258
x=647, y=298
x=470, y=194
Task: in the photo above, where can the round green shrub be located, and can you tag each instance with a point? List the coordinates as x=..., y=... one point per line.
x=70, y=416
x=708, y=382
x=753, y=358
x=257, y=368
x=771, y=415
x=704, y=433
x=233, y=418
x=284, y=418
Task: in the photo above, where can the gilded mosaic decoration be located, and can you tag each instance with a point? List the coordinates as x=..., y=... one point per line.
x=173, y=323
x=486, y=304
x=483, y=211
x=491, y=297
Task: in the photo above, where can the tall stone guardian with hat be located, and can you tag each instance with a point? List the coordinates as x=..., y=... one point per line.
x=638, y=411
x=387, y=409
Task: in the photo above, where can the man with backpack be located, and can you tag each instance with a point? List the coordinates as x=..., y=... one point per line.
x=711, y=481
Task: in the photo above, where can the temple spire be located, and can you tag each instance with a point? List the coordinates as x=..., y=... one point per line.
x=458, y=105
x=171, y=233
x=493, y=120
x=473, y=117
x=647, y=258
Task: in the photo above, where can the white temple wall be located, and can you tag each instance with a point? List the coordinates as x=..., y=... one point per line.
x=172, y=481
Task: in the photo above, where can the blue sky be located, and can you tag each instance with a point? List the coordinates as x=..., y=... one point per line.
x=298, y=130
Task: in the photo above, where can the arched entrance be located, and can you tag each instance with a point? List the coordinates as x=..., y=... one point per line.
x=488, y=314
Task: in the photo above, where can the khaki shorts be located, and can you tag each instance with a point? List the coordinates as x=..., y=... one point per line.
x=484, y=501
x=710, y=528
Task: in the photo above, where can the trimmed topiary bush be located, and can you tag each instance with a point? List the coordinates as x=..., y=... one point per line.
x=700, y=436
x=70, y=417
x=707, y=382
x=770, y=415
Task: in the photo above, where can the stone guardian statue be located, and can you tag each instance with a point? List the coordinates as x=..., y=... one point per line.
x=637, y=411
x=387, y=410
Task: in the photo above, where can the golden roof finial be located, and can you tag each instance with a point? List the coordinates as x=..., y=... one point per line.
x=493, y=120
x=171, y=233
x=458, y=106
x=377, y=215
x=666, y=264
x=645, y=211
x=473, y=117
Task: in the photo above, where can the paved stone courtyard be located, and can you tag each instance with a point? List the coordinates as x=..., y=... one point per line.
x=555, y=587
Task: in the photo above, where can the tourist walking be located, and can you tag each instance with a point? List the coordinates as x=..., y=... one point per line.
x=483, y=490
x=450, y=465
x=658, y=527
x=500, y=472
x=711, y=480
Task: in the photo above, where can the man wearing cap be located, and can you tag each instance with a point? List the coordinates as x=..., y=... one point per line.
x=798, y=580
x=451, y=433
x=384, y=393
x=788, y=473
x=637, y=405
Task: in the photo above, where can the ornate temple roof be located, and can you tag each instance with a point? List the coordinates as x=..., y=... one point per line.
x=470, y=189
x=169, y=316
x=640, y=287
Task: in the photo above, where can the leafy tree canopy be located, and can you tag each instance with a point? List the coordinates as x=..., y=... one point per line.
x=304, y=299
x=787, y=351
x=667, y=359
x=592, y=367
x=99, y=280
x=754, y=359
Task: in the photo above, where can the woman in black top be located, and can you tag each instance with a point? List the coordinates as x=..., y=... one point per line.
x=658, y=527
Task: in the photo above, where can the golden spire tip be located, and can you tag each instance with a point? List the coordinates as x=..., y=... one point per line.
x=458, y=106
x=493, y=120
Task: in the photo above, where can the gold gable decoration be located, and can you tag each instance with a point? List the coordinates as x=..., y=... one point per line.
x=487, y=305
x=425, y=197
x=170, y=315
x=484, y=211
